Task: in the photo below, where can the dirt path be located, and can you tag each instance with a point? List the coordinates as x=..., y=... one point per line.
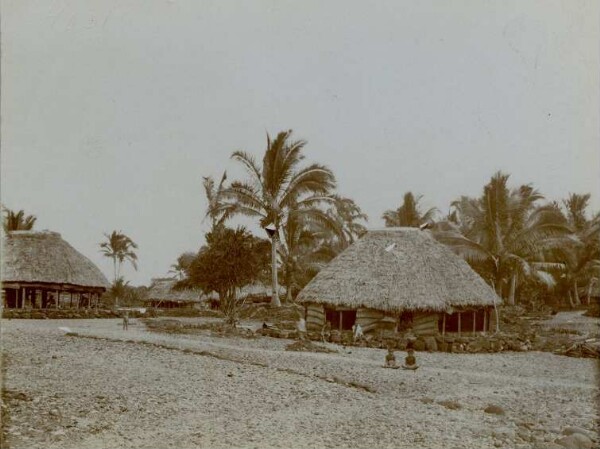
x=137, y=389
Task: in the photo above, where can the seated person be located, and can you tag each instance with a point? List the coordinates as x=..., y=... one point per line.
x=410, y=362
x=390, y=358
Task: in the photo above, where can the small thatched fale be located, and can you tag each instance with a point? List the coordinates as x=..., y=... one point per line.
x=41, y=270
x=396, y=279
x=162, y=294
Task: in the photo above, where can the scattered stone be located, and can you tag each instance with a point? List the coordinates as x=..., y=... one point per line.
x=576, y=441
x=452, y=405
x=495, y=410
x=570, y=430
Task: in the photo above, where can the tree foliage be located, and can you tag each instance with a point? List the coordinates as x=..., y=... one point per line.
x=17, y=221
x=506, y=235
x=409, y=214
x=119, y=248
x=231, y=259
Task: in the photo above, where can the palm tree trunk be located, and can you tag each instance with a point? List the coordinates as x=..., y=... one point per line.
x=115, y=281
x=576, y=293
x=275, y=293
x=589, y=291
x=513, y=287
x=571, y=299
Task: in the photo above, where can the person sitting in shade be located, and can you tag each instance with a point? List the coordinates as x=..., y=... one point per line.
x=390, y=358
x=357, y=333
x=410, y=362
x=326, y=332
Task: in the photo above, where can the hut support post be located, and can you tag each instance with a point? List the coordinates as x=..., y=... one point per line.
x=341, y=318
x=459, y=324
x=444, y=325
x=485, y=315
x=23, y=295
x=474, y=321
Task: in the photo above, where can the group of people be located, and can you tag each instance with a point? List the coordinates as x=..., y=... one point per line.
x=410, y=361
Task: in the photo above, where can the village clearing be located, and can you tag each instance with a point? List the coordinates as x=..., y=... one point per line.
x=100, y=386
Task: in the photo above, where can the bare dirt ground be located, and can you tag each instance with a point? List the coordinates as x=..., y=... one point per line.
x=111, y=388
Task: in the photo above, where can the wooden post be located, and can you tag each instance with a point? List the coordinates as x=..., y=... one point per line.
x=459, y=324
x=341, y=318
x=485, y=314
x=474, y=321
x=23, y=298
x=444, y=325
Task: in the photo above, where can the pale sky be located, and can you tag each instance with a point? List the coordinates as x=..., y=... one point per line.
x=113, y=110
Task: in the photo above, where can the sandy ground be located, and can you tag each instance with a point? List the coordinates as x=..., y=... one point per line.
x=135, y=389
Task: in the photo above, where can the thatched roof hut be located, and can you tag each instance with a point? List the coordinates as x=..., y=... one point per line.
x=398, y=269
x=162, y=293
x=42, y=262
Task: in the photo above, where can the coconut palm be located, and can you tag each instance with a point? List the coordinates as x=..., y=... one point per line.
x=276, y=188
x=348, y=216
x=214, y=195
x=408, y=214
x=504, y=235
x=580, y=262
x=119, y=248
x=17, y=221
x=181, y=267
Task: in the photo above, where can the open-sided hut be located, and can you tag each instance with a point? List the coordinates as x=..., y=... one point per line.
x=163, y=295
x=395, y=279
x=40, y=270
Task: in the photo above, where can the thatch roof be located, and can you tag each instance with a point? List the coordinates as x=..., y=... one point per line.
x=44, y=257
x=398, y=269
x=162, y=289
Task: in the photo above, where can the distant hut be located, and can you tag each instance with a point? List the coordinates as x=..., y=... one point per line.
x=257, y=292
x=162, y=294
x=395, y=279
x=40, y=270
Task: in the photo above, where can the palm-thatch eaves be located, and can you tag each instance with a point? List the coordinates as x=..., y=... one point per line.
x=163, y=294
x=395, y=278
x=41, y=270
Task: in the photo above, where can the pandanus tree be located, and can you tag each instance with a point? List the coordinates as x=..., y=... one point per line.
x=231, y=259
x=409, y=214
x=504, y=234
x=277, y=188
x=17, y=221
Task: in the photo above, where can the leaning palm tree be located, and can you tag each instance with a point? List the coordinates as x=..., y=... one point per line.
x=276, y=188
x=408, y=214
x=119, y=248
x=214, y=196
x=17, y=221
x=504, y=234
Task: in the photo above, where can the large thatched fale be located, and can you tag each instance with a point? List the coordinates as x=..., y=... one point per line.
x=163, y=294
x=41, y=270
x=394, y=274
